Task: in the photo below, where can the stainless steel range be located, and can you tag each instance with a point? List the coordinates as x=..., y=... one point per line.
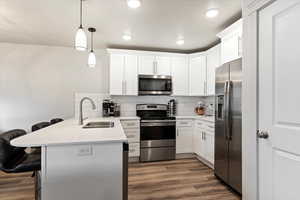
x=158, y=133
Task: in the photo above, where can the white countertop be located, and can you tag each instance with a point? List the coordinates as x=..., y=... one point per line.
x=69, y=132
x=201, y=117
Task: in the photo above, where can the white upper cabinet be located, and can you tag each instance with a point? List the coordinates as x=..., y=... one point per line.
x=198, y=74
x=154, y=65
x=123, y=74
x=116, y=74
x=213, y=59
x=180, y=75
x=147, y=64
x=231, y=42
x=163, y=65
x=130, y=75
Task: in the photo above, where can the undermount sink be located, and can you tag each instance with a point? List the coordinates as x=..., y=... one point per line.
x=99, y=125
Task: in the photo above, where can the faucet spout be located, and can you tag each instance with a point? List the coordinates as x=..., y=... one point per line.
x=80, y=108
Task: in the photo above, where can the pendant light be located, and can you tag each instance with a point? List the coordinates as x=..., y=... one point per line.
x=92, y=56
x=80, y=38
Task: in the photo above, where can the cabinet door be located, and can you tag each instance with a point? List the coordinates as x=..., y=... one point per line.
x=231, y=47
x=146, y=64
x=213, y=61
x=180, y=75
x=198, y=76
x=209, y=147
x=184, y=140
x=163, y=65
x=116, y=74
x=131, y=75
x=198, y=142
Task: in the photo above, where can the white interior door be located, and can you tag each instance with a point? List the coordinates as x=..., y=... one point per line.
x=279, y=97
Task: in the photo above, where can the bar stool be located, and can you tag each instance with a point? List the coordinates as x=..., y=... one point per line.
x=16, y=160
x=40, y=125
x=55, y=120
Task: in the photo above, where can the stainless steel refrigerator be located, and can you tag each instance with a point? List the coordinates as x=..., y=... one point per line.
x=228, y=130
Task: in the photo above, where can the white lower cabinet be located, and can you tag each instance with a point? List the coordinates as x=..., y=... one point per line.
x=134, y=149
x=209, y=147
x=132, y=131
x=196, y=136
x=184, y=136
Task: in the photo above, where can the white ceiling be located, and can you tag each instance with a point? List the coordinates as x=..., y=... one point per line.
x=155, y=25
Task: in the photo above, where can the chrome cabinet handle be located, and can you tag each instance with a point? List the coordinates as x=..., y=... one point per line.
x=177, y=132
x=262, y=134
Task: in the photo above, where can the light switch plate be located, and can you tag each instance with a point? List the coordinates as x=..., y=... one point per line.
x=86, y=150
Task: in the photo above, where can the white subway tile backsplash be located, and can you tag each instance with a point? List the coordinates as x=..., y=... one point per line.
x=185, y=105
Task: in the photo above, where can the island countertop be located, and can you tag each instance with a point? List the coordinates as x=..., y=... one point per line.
x=69, y=132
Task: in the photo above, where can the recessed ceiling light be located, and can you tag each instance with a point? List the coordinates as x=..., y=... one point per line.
x=134, y=3
x=180, y=42
x=211, y=13
x=126, y=37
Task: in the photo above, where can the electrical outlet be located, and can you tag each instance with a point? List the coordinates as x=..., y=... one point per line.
x=85, y=150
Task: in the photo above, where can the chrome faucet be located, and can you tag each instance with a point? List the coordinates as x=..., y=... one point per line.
x=80, y=108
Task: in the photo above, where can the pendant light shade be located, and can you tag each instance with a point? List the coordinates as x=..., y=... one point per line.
x=80, y=38
x=92, y=59
x=92, y=56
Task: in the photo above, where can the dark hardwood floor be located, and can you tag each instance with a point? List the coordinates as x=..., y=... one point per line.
x=186, y=179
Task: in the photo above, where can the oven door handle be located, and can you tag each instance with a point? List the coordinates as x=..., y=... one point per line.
x=151, y=124
x=160, y=121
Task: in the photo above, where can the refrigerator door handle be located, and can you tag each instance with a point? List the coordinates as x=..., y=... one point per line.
x=228, y=108
x=225, y=110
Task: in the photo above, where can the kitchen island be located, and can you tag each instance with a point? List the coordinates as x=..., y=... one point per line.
x=79, y=163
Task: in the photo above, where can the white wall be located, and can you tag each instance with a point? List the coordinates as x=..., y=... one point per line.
x=39, y=82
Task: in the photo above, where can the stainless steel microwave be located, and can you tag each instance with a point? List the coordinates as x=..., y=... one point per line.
x=155, y=85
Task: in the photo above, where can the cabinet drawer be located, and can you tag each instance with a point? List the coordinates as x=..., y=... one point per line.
x=184, y=123
x=134, y=149
x=199, y=123
x=133, y=135
x=209, y=127
x=130, y=124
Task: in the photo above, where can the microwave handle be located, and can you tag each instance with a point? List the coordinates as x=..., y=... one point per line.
x=169, y=85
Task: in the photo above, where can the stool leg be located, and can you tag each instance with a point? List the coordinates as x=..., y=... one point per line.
x=35, y=186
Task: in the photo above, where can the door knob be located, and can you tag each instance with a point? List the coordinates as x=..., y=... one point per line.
x=263, y=134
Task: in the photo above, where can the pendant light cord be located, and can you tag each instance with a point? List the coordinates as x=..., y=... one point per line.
x=80, y=13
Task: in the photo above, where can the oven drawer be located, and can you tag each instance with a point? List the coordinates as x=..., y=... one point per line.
x=130, y=124
x=133, y=135
x=157, y=154
x=134, y=149
x=157, y=143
